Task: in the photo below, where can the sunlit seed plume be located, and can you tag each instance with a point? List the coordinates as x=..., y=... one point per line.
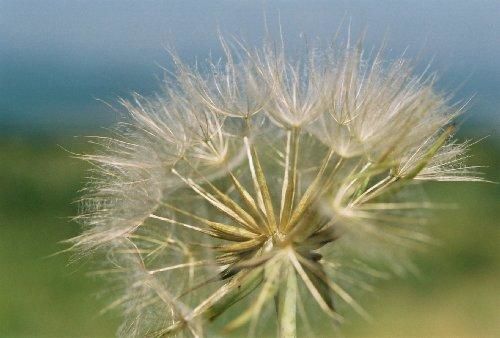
x=265, y=183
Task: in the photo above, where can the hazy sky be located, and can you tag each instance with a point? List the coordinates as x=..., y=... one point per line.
x=57, y=57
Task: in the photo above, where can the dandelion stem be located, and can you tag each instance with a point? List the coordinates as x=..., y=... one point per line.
x=286, y=305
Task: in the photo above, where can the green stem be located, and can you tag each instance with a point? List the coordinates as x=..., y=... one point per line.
x=286, y=305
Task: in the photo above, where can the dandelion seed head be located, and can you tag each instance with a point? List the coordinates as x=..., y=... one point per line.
x=277, y=177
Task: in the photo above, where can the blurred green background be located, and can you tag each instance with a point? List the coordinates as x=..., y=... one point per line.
x=58, y=56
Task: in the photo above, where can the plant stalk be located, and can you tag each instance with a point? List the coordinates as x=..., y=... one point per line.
x=286, y=305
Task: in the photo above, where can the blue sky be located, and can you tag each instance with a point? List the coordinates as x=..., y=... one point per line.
x=57, y=57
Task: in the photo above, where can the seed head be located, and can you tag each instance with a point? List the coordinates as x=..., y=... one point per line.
x=264, y=178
